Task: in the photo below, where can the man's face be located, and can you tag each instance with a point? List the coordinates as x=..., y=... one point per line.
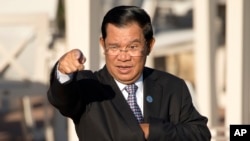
x=124, y=66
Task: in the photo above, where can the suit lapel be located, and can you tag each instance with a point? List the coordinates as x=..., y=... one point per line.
x=152, y=95
x=123, y=108
x=121, y=105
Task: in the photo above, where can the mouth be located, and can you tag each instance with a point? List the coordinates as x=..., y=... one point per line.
x=124, y=69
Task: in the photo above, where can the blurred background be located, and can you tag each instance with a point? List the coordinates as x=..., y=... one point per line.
x=205, y=42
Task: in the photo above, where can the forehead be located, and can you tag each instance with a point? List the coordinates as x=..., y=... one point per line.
x=124, y=33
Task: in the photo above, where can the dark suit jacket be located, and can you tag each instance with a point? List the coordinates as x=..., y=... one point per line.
x=100, y=112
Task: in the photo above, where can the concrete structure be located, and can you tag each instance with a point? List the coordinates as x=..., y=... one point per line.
x=238, y=65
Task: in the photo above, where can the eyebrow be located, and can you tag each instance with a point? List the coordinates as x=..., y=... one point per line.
x=133, y=41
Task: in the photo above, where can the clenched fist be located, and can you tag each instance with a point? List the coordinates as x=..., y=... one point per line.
x=71, y=61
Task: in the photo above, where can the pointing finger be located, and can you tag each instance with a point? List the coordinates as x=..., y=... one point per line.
x=79, y=56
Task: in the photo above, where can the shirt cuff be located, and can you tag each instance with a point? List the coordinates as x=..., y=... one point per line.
x=63, y=78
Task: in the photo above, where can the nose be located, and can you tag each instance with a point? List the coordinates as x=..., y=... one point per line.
x=123, y=55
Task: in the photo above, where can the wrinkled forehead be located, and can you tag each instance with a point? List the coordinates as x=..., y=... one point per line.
x=128, y=33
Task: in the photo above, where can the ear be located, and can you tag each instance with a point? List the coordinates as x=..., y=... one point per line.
x=150, y=45
x=102, y=43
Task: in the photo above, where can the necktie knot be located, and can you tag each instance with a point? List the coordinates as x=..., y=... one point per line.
x=131, y=89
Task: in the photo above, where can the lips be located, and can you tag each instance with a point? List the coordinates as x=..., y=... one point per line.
x=124, y=69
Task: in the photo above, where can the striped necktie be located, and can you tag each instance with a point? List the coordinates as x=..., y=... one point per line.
x=131, y=89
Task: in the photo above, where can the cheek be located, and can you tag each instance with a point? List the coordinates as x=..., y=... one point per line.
x=109, y=60
x=139, y=63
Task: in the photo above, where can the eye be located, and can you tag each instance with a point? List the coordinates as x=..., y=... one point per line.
x=133, y=47
x=113, y=47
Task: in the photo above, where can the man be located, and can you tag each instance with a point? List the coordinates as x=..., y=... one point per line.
x=102, y=103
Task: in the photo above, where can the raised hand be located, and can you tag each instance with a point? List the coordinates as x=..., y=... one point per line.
x=71, y=61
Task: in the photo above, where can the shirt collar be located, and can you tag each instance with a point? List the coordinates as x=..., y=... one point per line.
x=137, y=83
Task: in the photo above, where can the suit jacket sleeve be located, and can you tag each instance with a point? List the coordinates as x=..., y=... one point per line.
x=69, y=98
x=184, y=123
